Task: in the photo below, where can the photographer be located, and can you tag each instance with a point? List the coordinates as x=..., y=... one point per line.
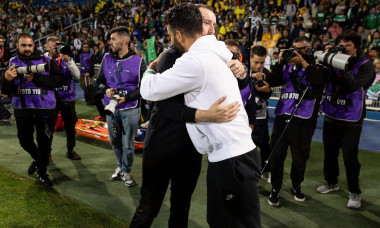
x=66, y=93
x=345, y=109
x=295, y=72
x=87, y=62
x=5, y=54
x=122, y=70
x=262, y=91
x=34, y=103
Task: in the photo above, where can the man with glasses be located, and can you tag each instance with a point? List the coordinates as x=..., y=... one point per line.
x=295, y=76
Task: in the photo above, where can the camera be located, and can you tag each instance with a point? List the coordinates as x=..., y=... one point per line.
x=338, y=48
x=337, y=60
x=235, y=55
x=32, y=69
x=258, y=83
x=288, y=54
x=63, y=49
x=110, y=108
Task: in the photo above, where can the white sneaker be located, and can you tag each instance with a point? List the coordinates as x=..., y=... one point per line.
x=145, y=125
x=267, y=176
x=326, y=188
x=354, y=201
x=127, y=178
x=116, y=174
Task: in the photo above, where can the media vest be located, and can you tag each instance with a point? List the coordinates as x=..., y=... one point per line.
x=67, y=91
x=246, y=94
x=29, y=96
x=85, y=62
x=290, y=95
x=123, y=75
x=347, y=107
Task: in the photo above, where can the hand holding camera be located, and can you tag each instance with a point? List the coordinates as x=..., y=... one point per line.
x=110, y=92
x=65, y=57
x=259, y=76
x=11, y=73
x=29, y=76
x=262, y=86
x=117, y=97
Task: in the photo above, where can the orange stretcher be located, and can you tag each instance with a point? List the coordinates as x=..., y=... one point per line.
x=99, y=130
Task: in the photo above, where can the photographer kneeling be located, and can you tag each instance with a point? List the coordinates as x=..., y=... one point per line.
x=295, y=72
x=345, y=109
x=34, y=102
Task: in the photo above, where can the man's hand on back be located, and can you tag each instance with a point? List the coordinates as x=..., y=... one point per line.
x=218, y=113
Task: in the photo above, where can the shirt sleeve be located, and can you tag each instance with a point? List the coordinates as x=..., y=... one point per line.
x=186, y=75
x=73, y=68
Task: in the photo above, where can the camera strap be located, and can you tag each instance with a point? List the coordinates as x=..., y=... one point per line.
x=59, y=60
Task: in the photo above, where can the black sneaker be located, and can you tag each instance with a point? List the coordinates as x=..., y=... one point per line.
x=44, y=179
x=298, y=195
x=33, y=167
x=273, y=198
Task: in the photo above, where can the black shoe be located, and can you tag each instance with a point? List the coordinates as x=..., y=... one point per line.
x=73, y=155
x=33, y=167
x=44, y=179
x=298, y=195
x=273, y=198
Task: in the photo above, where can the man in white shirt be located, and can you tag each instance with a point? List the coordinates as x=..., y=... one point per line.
x=203, y=76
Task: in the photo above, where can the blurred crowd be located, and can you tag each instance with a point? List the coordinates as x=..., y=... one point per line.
x=272, y=24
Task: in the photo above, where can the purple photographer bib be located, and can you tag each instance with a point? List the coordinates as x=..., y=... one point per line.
x=123, y=75
x=67, y=91
x=29, y=95
x=290, y=96
x=245, y=94
x=84, y=63
x=347, y=107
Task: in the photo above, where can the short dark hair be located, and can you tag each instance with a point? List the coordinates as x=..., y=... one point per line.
x=350, y=35
x=184, y=17
x=85, y=43
x=301, y=38
x=230, y=42
x=259, y=51
x=24, y=35
x=121, y=31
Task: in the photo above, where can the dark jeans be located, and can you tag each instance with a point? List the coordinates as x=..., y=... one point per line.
x=182, y=170
x=70, y=118
x=260, y=137
x=233, y=192
x=347, y=138
x=44, y=125
x=298, y=136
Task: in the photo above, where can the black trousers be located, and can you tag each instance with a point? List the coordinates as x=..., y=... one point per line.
x=183, y=170
x=44, y=126
x=260, y=137
x=233, y=192
x=347, y=138
x=70, y=118
x=298, y=136
x=99, y=104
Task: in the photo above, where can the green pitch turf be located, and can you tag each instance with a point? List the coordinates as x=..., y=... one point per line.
x=86, y=183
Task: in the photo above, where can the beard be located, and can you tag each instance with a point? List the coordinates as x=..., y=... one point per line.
x=178, y=46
